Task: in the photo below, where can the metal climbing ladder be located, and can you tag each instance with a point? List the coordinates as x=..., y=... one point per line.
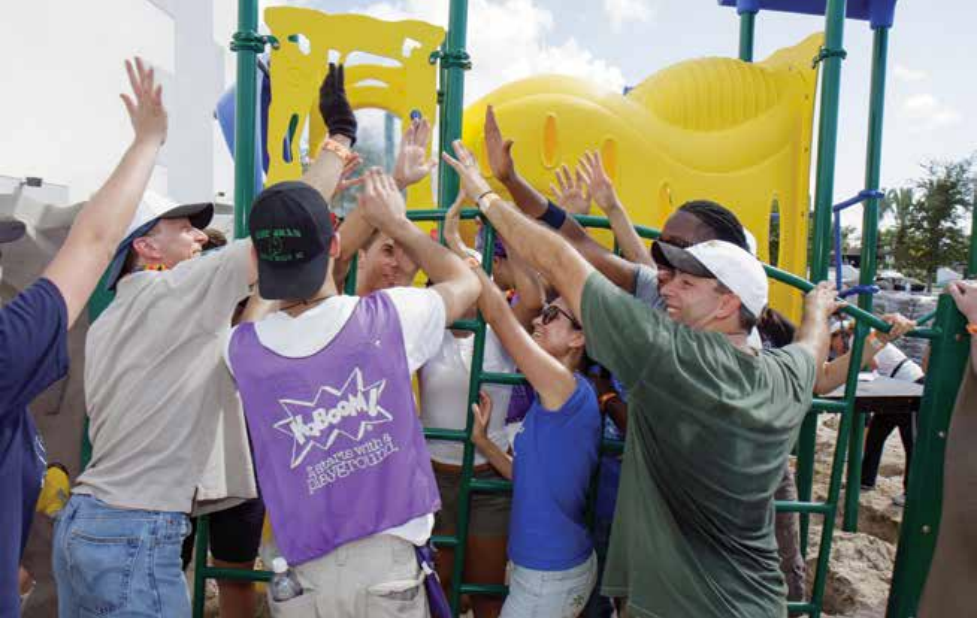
x=949, y=349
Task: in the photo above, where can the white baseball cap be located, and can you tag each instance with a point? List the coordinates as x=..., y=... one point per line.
x=731, y=265
x=151, y=209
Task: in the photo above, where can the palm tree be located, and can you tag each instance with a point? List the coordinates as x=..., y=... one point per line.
x=899, y=203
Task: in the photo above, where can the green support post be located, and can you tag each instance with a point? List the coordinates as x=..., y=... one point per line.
x=746, y=41
x=831, y=57
x=970, y=272
x=246, y=43
x=923, y=508
x=455, y=61
x=868, y=252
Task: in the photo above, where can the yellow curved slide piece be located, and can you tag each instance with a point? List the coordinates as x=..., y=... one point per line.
x=712, y=128
x=387, y=67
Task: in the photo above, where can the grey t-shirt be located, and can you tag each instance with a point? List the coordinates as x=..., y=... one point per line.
x=155, y=380
x=647, y=286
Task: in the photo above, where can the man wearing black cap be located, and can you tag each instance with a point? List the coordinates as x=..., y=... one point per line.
x=326, y=387
x=155, y=391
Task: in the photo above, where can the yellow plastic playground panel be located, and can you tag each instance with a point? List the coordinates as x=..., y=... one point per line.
x=712, y=128
x=399, y=80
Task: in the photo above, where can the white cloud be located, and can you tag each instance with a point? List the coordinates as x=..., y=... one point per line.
x=507, y=41
x=928, y=112
x=622, y=11
x=907, y=74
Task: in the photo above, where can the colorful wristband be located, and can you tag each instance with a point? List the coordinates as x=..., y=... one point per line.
x=971, y=328
x=554, y=217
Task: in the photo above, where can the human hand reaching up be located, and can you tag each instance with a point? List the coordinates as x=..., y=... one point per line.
x=599, y=184
x=498, y=149
x=413, y=163
x=571, y=194
x=334, y=106
x=145, y=106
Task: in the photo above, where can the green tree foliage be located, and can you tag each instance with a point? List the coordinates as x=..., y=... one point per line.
x=930, y=216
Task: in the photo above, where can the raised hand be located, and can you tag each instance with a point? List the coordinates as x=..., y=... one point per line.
x=571, y=195
x=349, y=167
x=381, y=201
x=900, y=326
x=822, y=301
x=145, y=106
x=470, y=178
x=964, y=295
x=413, y=163
x=450, y=227
x=497, y=149
x=599, y=184
x=481, y=418
x=334, y=106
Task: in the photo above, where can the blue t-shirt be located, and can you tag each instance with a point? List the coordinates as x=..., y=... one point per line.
x=555, y=455
x=33, y=355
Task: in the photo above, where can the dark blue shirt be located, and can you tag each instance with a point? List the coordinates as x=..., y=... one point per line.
x=555, y=455
x=33, y=355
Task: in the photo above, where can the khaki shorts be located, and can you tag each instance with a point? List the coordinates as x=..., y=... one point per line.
x=377, y=576
x=489, y=513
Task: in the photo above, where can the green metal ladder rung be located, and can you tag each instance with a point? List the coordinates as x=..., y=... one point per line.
x=238, y=575
x=497, y=590
x=791, y=506
x=511, y=379
x=828, y=405
x=490, y=485
x=445, y=540
x=455, y=435
x=797, y=607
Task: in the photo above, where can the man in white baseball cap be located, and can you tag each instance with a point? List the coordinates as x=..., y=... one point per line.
x=716, y=285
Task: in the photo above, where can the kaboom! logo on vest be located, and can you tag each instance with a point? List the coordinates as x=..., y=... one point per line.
x=352, y=411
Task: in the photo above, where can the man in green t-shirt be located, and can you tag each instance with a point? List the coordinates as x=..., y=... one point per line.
x=711, y=423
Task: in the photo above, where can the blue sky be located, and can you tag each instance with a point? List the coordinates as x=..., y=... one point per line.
x=931, y=89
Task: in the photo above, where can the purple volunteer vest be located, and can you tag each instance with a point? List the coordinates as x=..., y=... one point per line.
x=338, y=447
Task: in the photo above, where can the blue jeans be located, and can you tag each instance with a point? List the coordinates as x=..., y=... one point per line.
x=119, y=562
x=550, y=594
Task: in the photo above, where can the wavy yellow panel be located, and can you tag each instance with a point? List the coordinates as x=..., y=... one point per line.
x=711, y=128
x=396, y=76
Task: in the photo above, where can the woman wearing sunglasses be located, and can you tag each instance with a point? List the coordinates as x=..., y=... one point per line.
x=555, y=453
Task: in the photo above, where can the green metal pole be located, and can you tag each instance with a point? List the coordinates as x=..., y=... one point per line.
x=245, y=94
x=823, y=215
x=746, y=42
x=828, y=119
x=923, y=508
x=455, y=61
x=868, y=252
x=970, y=274
x=200, y=565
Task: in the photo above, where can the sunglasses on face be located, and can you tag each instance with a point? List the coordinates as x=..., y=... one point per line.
x=550, y=313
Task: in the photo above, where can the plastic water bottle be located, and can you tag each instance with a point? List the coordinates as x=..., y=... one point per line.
x=284, y=585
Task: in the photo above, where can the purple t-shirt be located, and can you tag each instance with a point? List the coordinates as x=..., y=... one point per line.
x=33, y=355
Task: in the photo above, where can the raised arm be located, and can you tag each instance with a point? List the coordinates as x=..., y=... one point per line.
x=480, y=438
x=99, y=227
x=832, y=374
x=603, y=192
x=535, y=205
x=529, y=290
x=542, y=249
x=813, y=334
x=414, y=163
x=552, y=380
x=384, y=208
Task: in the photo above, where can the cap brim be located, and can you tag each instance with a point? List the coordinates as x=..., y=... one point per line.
x=295, y=282
x=681, y=260
x=199, y=214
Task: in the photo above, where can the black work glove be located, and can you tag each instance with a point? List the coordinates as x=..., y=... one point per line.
x=334, y=106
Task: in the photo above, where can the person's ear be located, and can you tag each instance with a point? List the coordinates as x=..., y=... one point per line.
x=146, y=249
x=730, y=305
x=578, y=340
x=335, y=246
